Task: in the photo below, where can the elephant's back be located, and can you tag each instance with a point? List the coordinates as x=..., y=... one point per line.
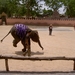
x=20, y=30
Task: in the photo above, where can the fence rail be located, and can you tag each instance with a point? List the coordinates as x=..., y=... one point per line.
x=35, y=58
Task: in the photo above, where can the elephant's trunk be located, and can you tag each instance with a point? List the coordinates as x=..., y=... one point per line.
x=40, y=44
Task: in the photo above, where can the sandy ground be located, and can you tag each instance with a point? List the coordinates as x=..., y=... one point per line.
x=61, y=43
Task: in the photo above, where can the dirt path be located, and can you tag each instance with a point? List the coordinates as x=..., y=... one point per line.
x=61, y=43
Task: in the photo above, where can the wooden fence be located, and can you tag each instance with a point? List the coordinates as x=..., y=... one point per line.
x=34, y=58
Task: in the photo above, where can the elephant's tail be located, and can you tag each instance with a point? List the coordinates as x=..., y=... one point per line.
x=5, y=36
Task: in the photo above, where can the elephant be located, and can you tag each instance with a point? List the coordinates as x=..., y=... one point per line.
x=34, y=36
x=23, y=33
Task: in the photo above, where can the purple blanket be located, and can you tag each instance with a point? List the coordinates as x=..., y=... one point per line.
x=21, y=30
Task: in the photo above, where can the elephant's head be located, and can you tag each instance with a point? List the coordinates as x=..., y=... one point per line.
x=34, y=36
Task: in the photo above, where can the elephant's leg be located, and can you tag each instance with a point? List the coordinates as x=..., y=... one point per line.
x=15, y=41
x=25, y=52
x=27, y=43
x=15, y=36
x=24, y=49
x=29, y=50
x=28, y=46
x=24, y=45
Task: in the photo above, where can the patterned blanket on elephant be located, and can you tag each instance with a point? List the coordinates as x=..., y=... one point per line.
x=21, y=30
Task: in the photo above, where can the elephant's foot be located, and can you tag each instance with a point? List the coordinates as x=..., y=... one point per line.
x=28, y=51
x=14, y=45
x=23, y=50
x=25, y=53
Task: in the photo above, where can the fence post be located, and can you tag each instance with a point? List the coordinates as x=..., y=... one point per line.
x=74, y=65
x=6, y=65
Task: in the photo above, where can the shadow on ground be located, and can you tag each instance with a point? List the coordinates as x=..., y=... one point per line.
x=32, y=53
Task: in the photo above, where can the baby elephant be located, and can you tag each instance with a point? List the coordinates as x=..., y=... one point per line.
x=21, y=32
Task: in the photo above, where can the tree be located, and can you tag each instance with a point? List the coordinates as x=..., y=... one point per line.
x=3, y=6
x=13, y=7
x=47, y=12
x=69, y=7
x=9, y=6
x=53, y=4
x=31, y=6
x=70, y=10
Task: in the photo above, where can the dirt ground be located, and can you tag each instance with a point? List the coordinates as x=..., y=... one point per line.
x=61, y=43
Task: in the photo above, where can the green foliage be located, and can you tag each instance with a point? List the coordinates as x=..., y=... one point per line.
x=71, y=9
x=53, y=4
x=47, y=12
x=32, y=8
x=19, y=7
x=9, y=6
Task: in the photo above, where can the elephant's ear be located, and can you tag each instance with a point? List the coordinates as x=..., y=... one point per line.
x=34, y=35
